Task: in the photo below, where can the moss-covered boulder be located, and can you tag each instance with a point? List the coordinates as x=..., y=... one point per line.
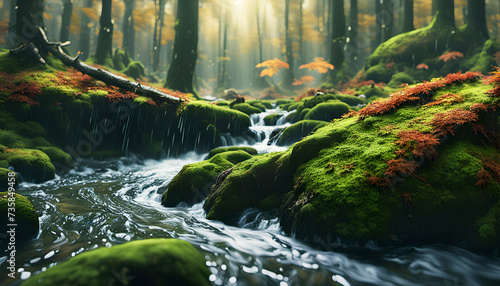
x=272, y=119
x=327, y=111
x=400, y=78
x=246, y=108
x=419, y=167
x=216, y=151
x=193, y=182
x=33, y=165
x=5, y=177
x=25, y=216
x=135, y=70
x=57, y=155
x=142, y=262
x=299, y=130
x=121, y=60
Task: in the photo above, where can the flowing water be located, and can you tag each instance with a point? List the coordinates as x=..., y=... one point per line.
x=100, y=204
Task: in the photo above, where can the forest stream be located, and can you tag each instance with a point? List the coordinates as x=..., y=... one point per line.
x=106, y=203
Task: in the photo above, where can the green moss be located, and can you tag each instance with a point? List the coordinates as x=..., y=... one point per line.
x=33, y=165
x=400, y=78
x=121, y=60
x=484, y=60
x=246, y=108
x=327, y=111
x=57, y=155
x=488, y=227
x=216, y=151
x=299, y=130
x=378, y=73
x=193, y=182
x=223, y=102
x=350, y=99
x=142, y=262
x=272, y=119
x=25, y=215
x=262, y=105
x=303, y=113
x=281, y=102
x=135, y=70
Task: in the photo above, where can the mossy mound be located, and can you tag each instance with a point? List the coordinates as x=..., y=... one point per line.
x=327, y=111
x=25, y=217
x=400, y=78
x=272, y=119
x=281, y=102
x=413, y=173
x=33, y=165
x=216, y=151
x=57, y=155
x=121, y=60
x=143, y=262
x=135, y=70
x=246, y=108
x=5, y=178
x=298, y=131
x=193, y=182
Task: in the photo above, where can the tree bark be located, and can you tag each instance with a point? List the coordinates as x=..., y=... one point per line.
x=288, y=57
x=378, y=24
x=476, y=19
x=157, y=48
x=445, y=13
x=408, y=16
x=128, y=28
x=29, y=17
x=181, y=71
x=301, y=32
x=11, y=36
x=353, y=33
x=337, y=58
x=222, y=79
x=105, y=40
x=84, y=44
x=387, y=19
x=66, y=20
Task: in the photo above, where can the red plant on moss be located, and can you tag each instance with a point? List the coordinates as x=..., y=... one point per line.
x=460, y=77
x=422, y=66
x=490, y=171
x=448, y=98
x=482, y=107
x=417, y=143
x=75, y=78
x=495, y=80
x=26, y=92
x=400, y=166
x=151, y=102
x=451, y=56
x=445, y=123
x=378, y=182
x=483, y=177
x=115, y=94
x=389, y=65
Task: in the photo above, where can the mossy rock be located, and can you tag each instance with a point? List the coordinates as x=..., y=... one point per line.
x=143, y=262
x=378, y=73
x=299, y=130
x=484, y=60
x=121, y=60
x=25, y=217
x=400, y=78
x=272, y=119
x=261, y=105
x=281, y=102
x=57, y=155
x=303, y=113
x=30, y=129
x=5, y=178
x=33, y=165
x=135, y=70
x=327, y=111
x=350, y=99
x=246, y=108
x=193, y=182
x=216, y=151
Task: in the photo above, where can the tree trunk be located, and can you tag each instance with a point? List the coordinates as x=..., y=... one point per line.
x=288, y=57
x=445, y=13
x=181, y=70
x=476, y=19
x=157, y=48
x=128, y=27
x=378, y=24
x=66, y=20
x=337, y=58
x=105, y=40
x=353, y=34
x=301, y=32
x=222, y=79
x=11, y=36
x=84, y=44
x=31, y=13
x=259, y=34
x=387, y=19
x=434, y=7
x=408, y=16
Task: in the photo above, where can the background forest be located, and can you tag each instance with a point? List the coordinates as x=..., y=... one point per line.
x=235, y=36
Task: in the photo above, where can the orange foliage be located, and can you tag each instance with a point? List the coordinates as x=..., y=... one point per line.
x=483, y=177
x=319, y=65
x=19, y=89
x=151, y=102
x=303, y=80
x=448, y=98
x=481, y=107
x=460, y=77
x=273, y=67
x=444, y=123
x=422, y=66
x=417, y=143
x=378, y=182
x=389, y=65
x=401, y=166
x=451, y=56
x=495, y=80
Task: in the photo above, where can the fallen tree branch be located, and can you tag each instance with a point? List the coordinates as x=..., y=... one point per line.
x=108, y=78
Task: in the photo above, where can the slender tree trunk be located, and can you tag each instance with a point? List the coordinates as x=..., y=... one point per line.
x=31, y=13
x=131, y=38
x=337, y=58
x=259, y=35
x=66, y=20
x=84, y=44
x=353, y=33
x=476, y=19
x=387, y=19
x=181, y=71
x=128, y=27
x=105, y=40
x=378, y=24
x=11, y=37
x=301, y=32
x=157, y=48
x=408, y=16
x=288, y=73
x=222, y=79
